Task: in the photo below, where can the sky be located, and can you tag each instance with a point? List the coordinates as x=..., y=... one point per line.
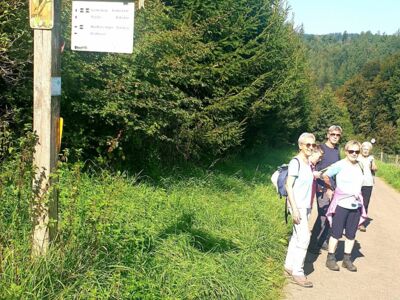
x=353, y=16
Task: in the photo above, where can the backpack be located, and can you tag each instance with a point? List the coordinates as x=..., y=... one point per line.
x=279, y=179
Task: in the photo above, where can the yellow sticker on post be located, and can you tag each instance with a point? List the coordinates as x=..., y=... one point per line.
x=41, y=14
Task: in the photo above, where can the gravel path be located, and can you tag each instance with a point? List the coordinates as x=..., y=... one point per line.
x=376, y=254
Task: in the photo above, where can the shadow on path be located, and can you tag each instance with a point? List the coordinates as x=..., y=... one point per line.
x=311, y=258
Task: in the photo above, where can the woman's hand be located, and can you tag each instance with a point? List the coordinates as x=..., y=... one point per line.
x=373, y=166
x=329, y=194
x=317, y=174
x=296, y=216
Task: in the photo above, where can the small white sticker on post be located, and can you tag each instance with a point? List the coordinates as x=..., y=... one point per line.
x=55, y=86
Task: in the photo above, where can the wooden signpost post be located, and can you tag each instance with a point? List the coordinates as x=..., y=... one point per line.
x=45, y=21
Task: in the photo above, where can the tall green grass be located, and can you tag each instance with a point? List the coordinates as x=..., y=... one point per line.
x=197, y=233
x=389, y=173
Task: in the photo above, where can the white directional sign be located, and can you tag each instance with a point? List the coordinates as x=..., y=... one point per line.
x=102, y=26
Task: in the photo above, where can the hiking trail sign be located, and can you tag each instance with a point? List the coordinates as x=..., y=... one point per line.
x=102, y=26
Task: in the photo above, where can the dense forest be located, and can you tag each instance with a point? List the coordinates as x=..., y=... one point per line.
x=356, y=84
x=373, y=101
x=335, y=58
x=205, y=78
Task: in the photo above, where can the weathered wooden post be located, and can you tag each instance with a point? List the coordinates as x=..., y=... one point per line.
x=140, y=4
x=45, y=20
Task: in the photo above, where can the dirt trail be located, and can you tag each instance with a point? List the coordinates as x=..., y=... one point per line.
x=377, y=257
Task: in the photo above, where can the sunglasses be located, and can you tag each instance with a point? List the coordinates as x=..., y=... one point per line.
x=309, y=145
x=353, y=151
x=335, y=134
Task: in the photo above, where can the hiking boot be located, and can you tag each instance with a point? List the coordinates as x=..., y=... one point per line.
x=331, y=263
x=348, y=264
x=362, y=228
x=302, y=280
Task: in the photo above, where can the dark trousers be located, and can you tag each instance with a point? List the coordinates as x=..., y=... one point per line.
x=366, y=192
x=347, y=220
x=320, y=231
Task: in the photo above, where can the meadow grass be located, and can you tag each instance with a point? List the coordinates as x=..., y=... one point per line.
x=197, y=233
x=389, y=173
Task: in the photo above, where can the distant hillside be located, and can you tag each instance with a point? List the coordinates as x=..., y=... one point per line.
x=373, y=102
x=336, y=57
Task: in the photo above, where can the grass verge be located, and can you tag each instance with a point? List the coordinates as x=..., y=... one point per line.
x=198, y=234
x=390, y=174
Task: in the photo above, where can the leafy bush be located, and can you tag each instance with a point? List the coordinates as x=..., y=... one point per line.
x=205, y=77
x=15, y=64
x=15, y=42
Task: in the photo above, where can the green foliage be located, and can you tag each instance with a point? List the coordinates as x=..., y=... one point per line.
x=389, y=173
x=16, y=175
x=205, y=77
x=14, y=41
x=215, y=233
x=335, y=58
x=327, y=110
x=15, y=63
x=373, y=101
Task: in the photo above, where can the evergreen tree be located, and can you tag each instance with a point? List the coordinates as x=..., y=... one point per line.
x=373, y=100
x=327, y=110
x=335, y=58
x=205, y=77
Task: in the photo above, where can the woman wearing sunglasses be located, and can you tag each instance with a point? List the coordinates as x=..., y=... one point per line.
x=346, y=211
x=299, y=186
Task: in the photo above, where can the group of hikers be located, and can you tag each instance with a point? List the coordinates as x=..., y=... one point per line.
x=327, y=197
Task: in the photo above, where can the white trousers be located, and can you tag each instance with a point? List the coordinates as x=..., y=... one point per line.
x=298, y=244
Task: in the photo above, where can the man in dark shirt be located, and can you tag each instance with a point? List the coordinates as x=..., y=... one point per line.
x=320, y=230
